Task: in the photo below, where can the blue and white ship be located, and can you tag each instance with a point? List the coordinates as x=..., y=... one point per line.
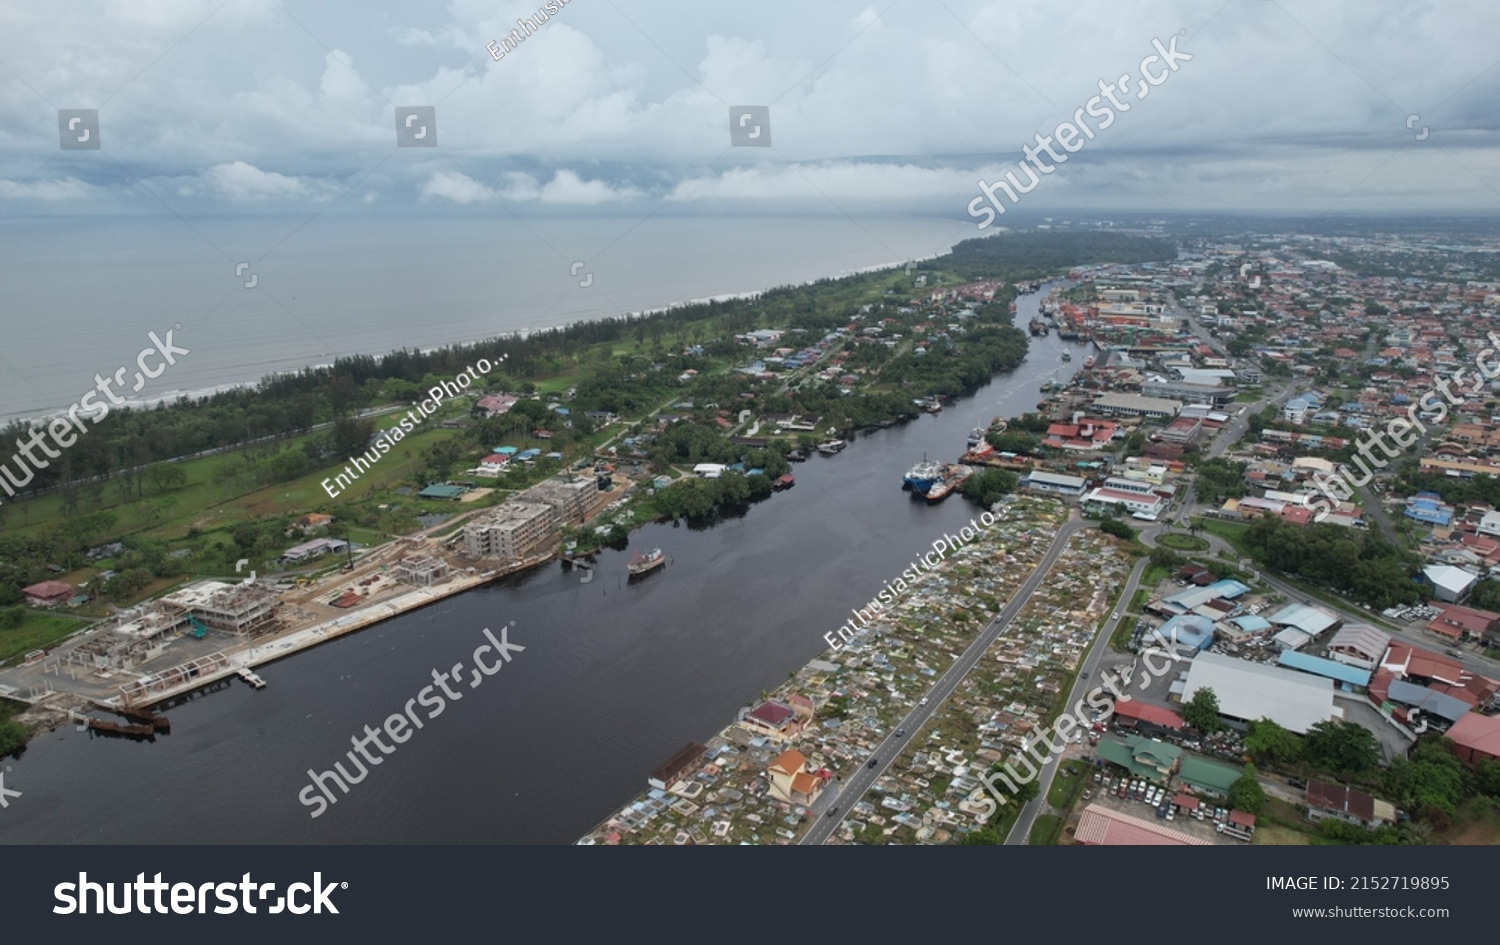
x=922, y=476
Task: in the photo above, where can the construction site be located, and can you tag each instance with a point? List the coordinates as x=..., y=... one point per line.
x=210, y=632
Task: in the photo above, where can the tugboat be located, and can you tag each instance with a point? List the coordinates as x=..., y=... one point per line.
x=1067, y=356
x=922, y=477
x=1037, y=327
x=643, y=564
x=951, y=477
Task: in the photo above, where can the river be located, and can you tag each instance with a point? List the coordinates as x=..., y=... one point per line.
x=613, y=679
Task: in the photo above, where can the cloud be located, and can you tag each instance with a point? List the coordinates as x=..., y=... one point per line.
x=565, y=188
x=70, y=188
x=457, y=188
x=240, y=181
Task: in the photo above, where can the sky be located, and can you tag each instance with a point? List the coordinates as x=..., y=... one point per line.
x=238, y=107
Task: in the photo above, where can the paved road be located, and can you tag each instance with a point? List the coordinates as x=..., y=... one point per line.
x=1088, y=679
x=859, y=781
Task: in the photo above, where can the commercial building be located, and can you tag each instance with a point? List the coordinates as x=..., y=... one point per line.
x=1215, y=395
x=1131, y=501
x=1476, y=737
x=1135, y=405
x=1054, y=483
x=1347, y=677
x=1102, y=826
x=512, y=530
x=316, y=548
x=1449, y=584
x=1359, y=645
x=1250, y=691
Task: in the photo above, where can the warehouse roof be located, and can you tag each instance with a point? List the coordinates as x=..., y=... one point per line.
x=1251, y=691
x=1321, y=667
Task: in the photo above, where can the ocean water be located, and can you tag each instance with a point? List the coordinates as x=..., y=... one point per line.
x=79, y=295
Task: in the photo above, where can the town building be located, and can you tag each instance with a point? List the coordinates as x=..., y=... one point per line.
x=792, y=782
x=1248, y=692
x=1335, y=801
x=48, y=594
x=1135, y=405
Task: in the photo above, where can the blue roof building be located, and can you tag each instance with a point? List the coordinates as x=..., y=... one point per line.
x=1348, y=677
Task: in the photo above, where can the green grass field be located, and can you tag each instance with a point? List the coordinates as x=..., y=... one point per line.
x=39, y=630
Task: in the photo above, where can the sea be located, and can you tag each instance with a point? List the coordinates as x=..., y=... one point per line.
x=80, y=295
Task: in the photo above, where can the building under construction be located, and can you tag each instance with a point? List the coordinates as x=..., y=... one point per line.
x=423, y=570
x=511, y=530
x=574, y=500
x=242, y=609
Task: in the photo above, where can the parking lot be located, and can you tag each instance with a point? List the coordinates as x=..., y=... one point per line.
x=1106, y=794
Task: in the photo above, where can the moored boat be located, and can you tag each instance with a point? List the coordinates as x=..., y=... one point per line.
x=641, y=564
x=922, y=477
x=950, y=478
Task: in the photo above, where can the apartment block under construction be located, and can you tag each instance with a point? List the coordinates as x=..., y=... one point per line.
x=575, y=500
x=512, y=530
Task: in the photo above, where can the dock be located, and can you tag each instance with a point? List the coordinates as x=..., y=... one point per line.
x=239, y=662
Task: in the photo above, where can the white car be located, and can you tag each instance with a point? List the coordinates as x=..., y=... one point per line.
x=1116, y=616
x=923, y=702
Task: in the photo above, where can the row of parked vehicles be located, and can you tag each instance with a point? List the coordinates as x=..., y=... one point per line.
x=1156, y=796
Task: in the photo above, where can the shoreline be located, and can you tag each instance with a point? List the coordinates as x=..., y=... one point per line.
x=197, y=395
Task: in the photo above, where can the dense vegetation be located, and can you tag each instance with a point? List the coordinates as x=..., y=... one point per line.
x=1361, y=565
x=1042, y=255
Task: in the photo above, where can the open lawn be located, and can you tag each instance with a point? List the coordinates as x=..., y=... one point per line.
x=1046, y=830
x=1478, y=824
x=1181, y=542
x=1067, y=785
x=1276, y=835
x=1232, y=532
x=39, y=630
